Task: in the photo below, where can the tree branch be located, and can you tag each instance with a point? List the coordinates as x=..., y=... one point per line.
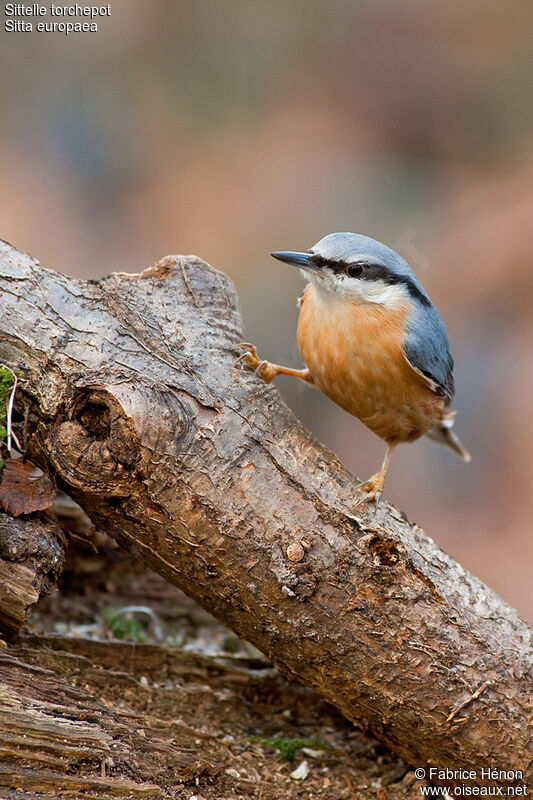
x=206, y=475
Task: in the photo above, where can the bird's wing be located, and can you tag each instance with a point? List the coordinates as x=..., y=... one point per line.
x=427, y=350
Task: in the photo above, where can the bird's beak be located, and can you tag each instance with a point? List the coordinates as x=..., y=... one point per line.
x=302, y=260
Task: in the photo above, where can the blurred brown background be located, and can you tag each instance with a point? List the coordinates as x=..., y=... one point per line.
x=231, y=129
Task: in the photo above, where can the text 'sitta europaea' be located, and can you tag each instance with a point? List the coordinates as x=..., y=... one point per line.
x=373, y=342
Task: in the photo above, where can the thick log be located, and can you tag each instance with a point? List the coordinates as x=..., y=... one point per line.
x=32, y=550
x=204, y=473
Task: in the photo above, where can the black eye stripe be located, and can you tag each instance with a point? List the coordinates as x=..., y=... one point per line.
x=373, y=272
x=363, y=268
x=320, y=261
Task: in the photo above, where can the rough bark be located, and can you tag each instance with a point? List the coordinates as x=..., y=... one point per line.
x=206, y=475
x=31, y=556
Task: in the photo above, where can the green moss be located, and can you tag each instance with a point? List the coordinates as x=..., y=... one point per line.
x=231, y=643
x=7, y=379
x=6, y=384
x=289, y=747
x=124, y=626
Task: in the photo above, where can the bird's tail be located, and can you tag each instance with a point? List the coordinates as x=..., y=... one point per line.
x=443, y=434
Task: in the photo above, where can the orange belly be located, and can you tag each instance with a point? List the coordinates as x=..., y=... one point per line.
x=355, y=355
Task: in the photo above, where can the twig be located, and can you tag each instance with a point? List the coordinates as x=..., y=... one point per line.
x=9, y=426
x=469, y=700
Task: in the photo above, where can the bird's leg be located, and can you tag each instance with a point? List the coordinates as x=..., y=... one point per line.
x=265, y=369
x=374, y=486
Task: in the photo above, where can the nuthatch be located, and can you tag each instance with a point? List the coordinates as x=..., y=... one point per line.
x=373, y=342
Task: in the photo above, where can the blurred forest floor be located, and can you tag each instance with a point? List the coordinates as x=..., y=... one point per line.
x=154, y=652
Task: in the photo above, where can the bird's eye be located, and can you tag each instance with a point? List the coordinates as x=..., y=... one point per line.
x=354, y=270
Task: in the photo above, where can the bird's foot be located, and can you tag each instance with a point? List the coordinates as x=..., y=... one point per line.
x=263, y=368
x=373, y=489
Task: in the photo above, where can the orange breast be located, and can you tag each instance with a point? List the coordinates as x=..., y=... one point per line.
x=355, y=354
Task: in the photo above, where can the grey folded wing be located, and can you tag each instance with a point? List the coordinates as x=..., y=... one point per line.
x=427, y=350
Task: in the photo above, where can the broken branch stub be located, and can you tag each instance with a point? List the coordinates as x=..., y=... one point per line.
x=206, y=475
x=32, y=551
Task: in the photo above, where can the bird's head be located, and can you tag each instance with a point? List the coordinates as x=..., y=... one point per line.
x=359, y=269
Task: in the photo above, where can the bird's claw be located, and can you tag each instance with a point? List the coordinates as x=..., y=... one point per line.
x=241, y=358
x=247, y=345
x=260, y=366
x=249, y=356
x=373, y=489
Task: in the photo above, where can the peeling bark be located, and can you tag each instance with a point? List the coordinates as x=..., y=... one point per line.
x=31, y=556
x=207, y=476
x=51, y=728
